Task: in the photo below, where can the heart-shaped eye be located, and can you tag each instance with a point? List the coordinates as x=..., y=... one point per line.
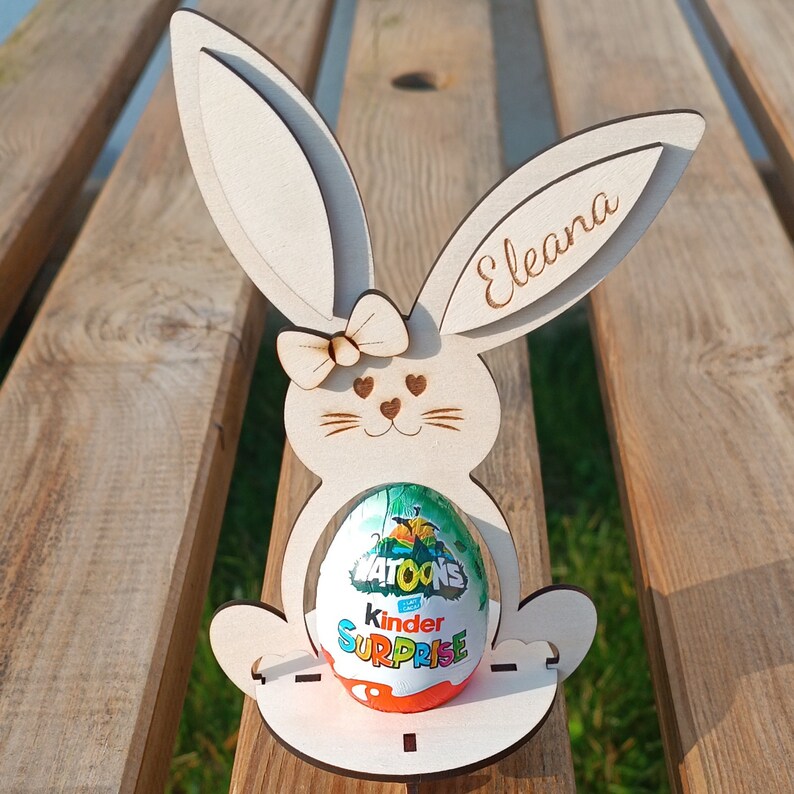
x=363, y=387
x=416, y=384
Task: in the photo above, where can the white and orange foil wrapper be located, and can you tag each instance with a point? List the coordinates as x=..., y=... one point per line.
x=402, y=600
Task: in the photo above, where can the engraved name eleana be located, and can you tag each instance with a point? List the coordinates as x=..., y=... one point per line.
x=502, y=277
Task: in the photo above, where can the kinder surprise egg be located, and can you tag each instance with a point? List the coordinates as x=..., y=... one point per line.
x=402, y=600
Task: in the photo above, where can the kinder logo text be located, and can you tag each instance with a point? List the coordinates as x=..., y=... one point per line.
x=383, y=651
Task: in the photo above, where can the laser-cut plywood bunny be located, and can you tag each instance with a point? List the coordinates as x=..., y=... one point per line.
x=410, y=396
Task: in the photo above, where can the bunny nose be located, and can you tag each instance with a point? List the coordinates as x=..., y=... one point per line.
x=390, y=409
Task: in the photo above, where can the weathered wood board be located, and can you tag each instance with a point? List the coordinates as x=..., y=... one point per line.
x=755, y=39
x=417, y=180
x=695, y=341
x=64, y=76
x=121, y=416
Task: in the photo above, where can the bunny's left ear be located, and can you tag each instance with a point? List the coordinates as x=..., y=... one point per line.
x=548, y=233
x=272, y=175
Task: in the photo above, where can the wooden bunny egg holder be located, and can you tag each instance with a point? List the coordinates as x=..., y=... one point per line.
x=410, y=396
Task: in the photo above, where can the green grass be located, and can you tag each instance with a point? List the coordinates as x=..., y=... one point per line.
x=614, y=730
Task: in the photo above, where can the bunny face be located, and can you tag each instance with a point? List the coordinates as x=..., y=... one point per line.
x=397, y=416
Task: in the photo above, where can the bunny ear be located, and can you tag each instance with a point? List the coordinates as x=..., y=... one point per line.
x=272, y=175
x=548, y=233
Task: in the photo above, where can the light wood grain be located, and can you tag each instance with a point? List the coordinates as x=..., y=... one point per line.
x=64, y=76
x=695, y=341
x=422, y=159
x=121, y=415
x=755, y=39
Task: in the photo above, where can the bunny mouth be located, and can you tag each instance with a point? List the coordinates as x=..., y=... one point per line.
x=393, y=425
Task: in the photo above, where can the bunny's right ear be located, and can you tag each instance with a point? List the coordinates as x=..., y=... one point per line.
x=549, y=232
x=272, y=175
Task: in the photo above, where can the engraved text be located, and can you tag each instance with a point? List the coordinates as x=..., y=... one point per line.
x=502, y=277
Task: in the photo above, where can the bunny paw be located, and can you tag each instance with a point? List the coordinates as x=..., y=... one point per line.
x=561, y=615
x=248, y=637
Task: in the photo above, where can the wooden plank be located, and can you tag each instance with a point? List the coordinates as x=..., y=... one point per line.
x=121, y=416
x=422, y=158
x=72, y=225
x=695, y=342
x=755, y=39
x=65, y=74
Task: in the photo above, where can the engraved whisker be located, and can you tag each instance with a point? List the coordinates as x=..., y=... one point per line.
x=341, y=430
x=333, y=414
x=339, y=422
x=441, y=424
x=440, y=411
